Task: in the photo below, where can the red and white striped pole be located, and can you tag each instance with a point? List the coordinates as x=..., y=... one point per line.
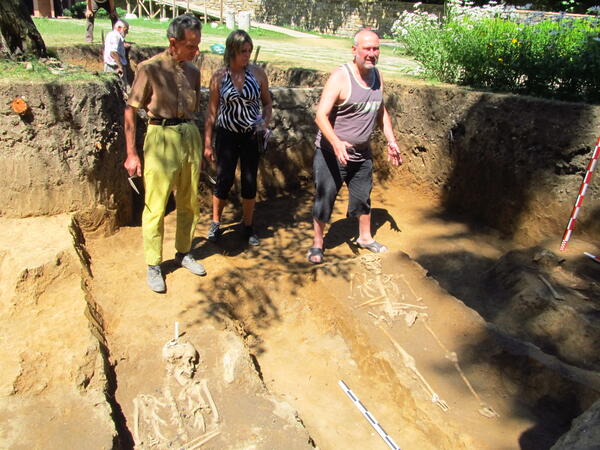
x=584, y=185
x=589, y=255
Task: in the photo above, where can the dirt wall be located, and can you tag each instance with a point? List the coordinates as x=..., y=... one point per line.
x=64, y=155
x=511, y=162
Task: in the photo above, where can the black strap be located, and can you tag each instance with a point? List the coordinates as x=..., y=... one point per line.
x=166, y=122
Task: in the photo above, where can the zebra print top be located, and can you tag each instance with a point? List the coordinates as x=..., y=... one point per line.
x=239, y=111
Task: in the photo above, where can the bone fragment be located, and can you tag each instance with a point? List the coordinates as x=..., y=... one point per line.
x=484, y=409
x=136, y=422
x=376, y=300
x=555, y=294
x=201, y=440
x=410, y=318
x=211, y=403
x=409, y=362
x=410, y=288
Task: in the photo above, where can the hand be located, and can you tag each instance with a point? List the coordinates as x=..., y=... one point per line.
x=260, y=125
x=133, y=165
x=394, y=155
x=209, y=154
x=340, y=148
x=88, y=13
x=113, y=15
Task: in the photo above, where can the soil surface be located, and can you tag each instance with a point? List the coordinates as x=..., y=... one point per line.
x=461, y=336
x=308, y=327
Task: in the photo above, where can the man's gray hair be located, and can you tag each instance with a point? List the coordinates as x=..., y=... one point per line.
x=234, y=44
x=121, y=23
x=180, y=24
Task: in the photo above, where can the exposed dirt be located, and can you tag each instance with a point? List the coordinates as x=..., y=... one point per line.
x=307, y=330
x=470, y=220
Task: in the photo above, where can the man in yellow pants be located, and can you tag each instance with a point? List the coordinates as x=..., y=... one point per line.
x=167, y=86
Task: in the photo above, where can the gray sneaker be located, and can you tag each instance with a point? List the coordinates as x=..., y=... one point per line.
x=214, y=231
x=251, y=236
x=155, y=279
x=187, y=260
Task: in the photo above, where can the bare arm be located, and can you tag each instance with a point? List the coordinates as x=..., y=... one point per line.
x=88, y=9
x=211, y=114
x=132, y=163
x=265, y=95
x=385, y=122
x=333, y=93
x=115, y=56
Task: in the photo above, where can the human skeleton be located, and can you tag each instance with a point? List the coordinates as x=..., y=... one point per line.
x=377, y=289
x=185, y=415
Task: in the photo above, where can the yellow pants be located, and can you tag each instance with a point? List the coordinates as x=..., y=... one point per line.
x=171, y=162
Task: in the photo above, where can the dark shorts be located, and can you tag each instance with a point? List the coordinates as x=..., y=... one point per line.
x=229, y=147
x=329, y=175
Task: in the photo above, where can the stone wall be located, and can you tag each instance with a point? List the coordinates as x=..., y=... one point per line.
x=326, y=16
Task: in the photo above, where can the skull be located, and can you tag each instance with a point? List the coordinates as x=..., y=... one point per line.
x=182, y=359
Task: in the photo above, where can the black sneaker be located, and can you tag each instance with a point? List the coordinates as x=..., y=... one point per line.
x=214, y=232
x=251, y=236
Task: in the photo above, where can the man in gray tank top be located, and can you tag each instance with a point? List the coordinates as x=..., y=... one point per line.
x=351, y=105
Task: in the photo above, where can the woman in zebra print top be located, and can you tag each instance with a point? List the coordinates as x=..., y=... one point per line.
x=238, y=92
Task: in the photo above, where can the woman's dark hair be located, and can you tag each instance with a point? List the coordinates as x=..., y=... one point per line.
x=234, y=44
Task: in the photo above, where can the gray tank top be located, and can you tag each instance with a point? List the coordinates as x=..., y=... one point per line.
x=354, y=120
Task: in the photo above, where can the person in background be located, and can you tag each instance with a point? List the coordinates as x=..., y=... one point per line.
x=351, y=106
x=115, y=57
x=92, y=7
x=238, y=93
x=167, y=86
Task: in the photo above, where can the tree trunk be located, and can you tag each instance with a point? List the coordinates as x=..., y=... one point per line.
x=18, y=35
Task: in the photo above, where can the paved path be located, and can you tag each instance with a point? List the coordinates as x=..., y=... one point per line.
x=321, y=54
x=198, y=7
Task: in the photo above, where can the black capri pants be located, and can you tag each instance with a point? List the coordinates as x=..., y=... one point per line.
x=229, y=147
x=329, y=175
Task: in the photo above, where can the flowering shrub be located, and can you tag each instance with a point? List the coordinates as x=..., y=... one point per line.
x=491, y=47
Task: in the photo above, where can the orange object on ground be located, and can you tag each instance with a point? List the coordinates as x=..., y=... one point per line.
x=19, y=106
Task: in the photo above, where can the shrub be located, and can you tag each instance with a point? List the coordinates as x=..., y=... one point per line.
x=488, y=47
x=78, y=10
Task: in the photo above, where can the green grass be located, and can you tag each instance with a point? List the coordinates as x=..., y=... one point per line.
x=277, y=49
x=144, y=32
x=39, y=72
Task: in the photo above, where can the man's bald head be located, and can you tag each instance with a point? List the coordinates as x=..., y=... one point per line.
x=366, y=49
x=362, y=34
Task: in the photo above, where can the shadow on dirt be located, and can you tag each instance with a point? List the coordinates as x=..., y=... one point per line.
x=506, y=177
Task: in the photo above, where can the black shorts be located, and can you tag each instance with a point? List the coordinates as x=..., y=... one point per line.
x=229, y=147
x=329, y=175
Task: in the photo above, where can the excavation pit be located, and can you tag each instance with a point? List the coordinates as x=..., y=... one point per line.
x=473, y=308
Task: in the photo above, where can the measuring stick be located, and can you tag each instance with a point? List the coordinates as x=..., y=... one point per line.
x=589, y=255
x=584, y=185
x=388, y=440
